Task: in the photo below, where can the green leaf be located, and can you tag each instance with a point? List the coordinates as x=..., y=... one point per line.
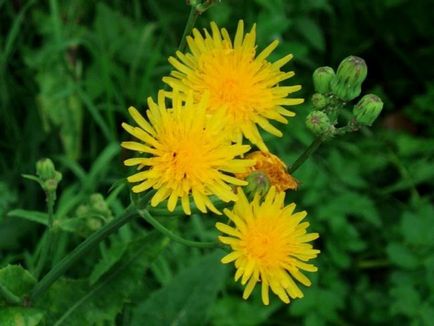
x=356, y=204
x=109, y=259
x=7, y=197
x=310, y=30
x=187, y=298
x=417, y=227
x=33, y=216
x=101, y=164
x=20, y=316
x=74, y=302
x=401, y=256
x=406, y=300
x=234, y=311
x=17, y=280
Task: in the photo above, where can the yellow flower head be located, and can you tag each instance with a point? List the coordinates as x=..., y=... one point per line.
x=273, y=168
x=242, y=85
x=269, y=245
x=185, y=153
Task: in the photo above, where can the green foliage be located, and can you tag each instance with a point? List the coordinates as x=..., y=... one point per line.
x=13, y=316
x=16, y=280
x=75, y=302
x=68, y=72
x=187, y=298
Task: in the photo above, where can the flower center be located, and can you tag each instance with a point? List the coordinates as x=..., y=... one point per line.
x=186, y=157
x=229, y=92
x=228, y=78
x=264, y=245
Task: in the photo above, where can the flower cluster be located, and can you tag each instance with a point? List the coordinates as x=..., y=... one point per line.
x=191, y=146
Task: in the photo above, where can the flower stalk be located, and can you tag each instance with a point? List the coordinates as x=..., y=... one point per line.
x=196, y=244
x=60, y=268
x=306, y=154
x=197, y=8
x=192, y=17
x=48, y=243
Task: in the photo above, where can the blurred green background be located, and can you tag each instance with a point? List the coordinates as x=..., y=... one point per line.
x=70, y=69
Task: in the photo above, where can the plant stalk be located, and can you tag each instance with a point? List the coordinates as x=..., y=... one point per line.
x=47, y=245
x=192, y=17
x=197, y=244
x=374, y=263
x=60, y=268
x=306, y=154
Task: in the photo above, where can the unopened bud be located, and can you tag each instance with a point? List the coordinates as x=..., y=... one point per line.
x=258, y=184
x=319, y=101
x=322, y=77
x=347, y=85
x=319, y=123
x=98, y=203
x=367, y=110
x=45, y=169
x=48, y=175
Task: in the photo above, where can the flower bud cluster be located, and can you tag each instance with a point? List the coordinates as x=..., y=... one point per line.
x=333, y=91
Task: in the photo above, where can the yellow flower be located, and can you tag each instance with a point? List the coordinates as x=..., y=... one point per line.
x=269, y=245
x=273, y=168
x=186, y=154
x=242, y=85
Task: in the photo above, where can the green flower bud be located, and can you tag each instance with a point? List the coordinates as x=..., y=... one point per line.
x=45, y=169
x=258, y=184
x=351, y=73
x=367, y=110
x=322, y=77
x=93, y=224
x=98, y=203
x=82, y=211
x=319, y=123
x=96, y=199
x=319, y=101
x=49, y=178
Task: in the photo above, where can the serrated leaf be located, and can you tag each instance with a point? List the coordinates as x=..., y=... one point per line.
x=406, y=300
x=33, y=216
x=355, y=203
x=17, y=280
x=113, y=255
x=20, y=316
x=187, y=298
x=74, y=302
x=401, y=256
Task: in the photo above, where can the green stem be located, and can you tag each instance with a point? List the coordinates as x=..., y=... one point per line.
x=59, y=269
x=374, y=263
x=9, y=296
x=151, y=220
x=192, y=17
x=306, y=154
x=47, y=244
